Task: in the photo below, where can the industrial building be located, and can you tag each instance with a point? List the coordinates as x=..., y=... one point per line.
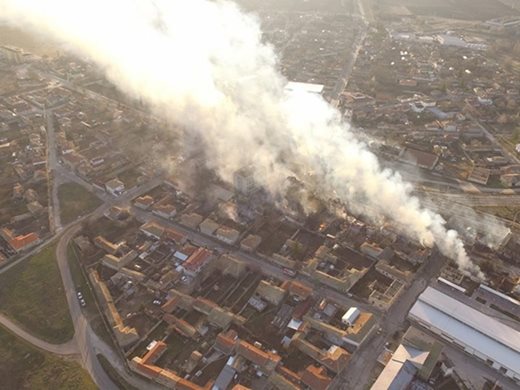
x=478, y=334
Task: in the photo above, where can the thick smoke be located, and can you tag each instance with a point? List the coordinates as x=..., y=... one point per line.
x=203, y=64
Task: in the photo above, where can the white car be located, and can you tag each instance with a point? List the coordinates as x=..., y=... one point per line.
x=82, y=302
x=79, y=294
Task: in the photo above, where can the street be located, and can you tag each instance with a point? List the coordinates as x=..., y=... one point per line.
x=361, y=366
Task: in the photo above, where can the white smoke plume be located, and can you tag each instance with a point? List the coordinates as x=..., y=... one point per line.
x=202, y=64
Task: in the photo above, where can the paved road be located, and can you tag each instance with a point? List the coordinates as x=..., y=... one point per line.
x=88, y=342
x=85, y=341
x=68, y=348
x=81, y=326
x=356, y=47
x=252, y=259
x=54, y=211
x=512, y=156
x=358, y=373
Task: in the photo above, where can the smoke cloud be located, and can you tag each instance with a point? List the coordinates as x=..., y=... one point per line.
x=203, y=64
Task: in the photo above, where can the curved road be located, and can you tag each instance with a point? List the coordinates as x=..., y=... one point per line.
x=85, y=343
x=88, y=342
x=68, y=348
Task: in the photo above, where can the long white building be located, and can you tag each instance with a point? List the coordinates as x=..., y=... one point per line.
x=478, y=334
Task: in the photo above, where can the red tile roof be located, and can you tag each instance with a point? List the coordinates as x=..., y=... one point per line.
x=316, y=378
x=302, y=308
x=300, y=289
x=21, y=242
x=256, y=355
x=155, y=353
x=288, y=374
x=148, y=370
x=170, y=305
x=225, y=342
x=174, y=235
x=197, y=259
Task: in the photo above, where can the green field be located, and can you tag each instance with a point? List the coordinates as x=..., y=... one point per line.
x=75, y=201
x=32, y=294
x=24, y=367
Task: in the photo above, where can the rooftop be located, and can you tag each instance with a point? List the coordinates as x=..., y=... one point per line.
x=461, y=322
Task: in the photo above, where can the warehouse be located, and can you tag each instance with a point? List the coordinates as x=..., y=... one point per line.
x=478, y=334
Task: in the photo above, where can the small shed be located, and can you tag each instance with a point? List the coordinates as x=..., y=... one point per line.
x=350, y=316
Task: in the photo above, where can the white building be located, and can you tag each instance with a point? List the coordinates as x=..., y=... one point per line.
x=401, y=368
x=478, y=334
x=115, y=186
x=350, y=316
x=455, y=41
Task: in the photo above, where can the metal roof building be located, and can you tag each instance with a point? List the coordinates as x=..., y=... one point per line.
x=400, y=369
x=478, y=334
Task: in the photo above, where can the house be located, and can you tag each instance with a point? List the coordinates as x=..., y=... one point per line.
x=167, y=378
x=155, y=350
x=298, y=289
x=208, y=226
x=415, y=357
x=125, y=335
x=117, y=214
x=316, y=378
x=226, y=342
x=166, y=211
x=152, y=230
x=21, y=242
x=419, y=158
x=250, y=243
x=116, y=263
x=175, y=236
x=191, y=220
x=227, y=235
x=109, y=247
x=144, y=202
x=115, y=187
x=266, y=361
x=271, y=293
x=350, y=316
x=371, y=250
x=194, y=264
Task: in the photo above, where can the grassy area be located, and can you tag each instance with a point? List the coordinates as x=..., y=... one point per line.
x=494, y=182
x=32, y=294
x=24, y=367
x=113, y=374
x=75, y=201
x=129, y=177
x=110, y=229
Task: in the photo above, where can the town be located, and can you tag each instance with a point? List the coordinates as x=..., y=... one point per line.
x=178, y=279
